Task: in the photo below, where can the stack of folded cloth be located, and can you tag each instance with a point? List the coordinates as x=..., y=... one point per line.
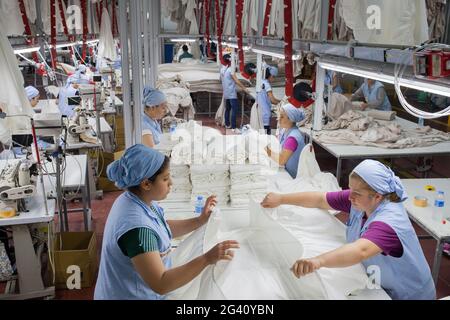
x=236, y=152
x=181, y=183
x=211, y=180
x=247, y=180
x=166, y=144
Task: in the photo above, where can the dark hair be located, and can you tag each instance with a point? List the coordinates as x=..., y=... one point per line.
x=163, y=167
x=392, y=197
x=185, y=47
x=227, y=58
x=267, y=75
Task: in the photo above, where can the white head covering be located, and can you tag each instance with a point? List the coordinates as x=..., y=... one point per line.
x=31, y=92
x=380, y=178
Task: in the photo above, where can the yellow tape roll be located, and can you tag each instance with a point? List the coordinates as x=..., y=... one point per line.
x=430, y=188
x=7, y=213
x=420, y=201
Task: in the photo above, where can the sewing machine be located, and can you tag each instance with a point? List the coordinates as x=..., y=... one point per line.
x=79, y=128
x=16, y=184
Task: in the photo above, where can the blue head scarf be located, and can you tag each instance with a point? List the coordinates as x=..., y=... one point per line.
x=273, y=71
x=380, y=178
x=153, y=97
x=31, y=92
x=137, y=164
x=294, y=114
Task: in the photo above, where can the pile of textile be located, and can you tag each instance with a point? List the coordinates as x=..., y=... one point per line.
x=178, y=96
x=181, y=183
x=358, y=128
x=247, y=181
x=167, y=143
x=197, y=75
x=211, y=180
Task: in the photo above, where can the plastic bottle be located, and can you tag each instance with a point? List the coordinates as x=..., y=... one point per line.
x=439, y=202
x=199, y=205
x=173, y=126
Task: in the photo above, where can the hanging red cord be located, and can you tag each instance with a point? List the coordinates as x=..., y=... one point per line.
x=85, y=27
x=239, y=13
x=219, y=27
x=208, y=12
x=266, y=18
x=114, y=18
x=30, y=39
x=289, y=67
x=53, y=32
x=330, y=19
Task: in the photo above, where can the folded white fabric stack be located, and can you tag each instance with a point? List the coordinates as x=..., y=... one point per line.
x=182, y=187
x=247, y=180
x=166, y=144
x=236, y=152
x=211, y=179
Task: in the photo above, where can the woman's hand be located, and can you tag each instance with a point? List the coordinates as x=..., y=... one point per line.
x=303, y=267
x=221, y=251
x=272, y=200
x=210, y=203
x=364, y=106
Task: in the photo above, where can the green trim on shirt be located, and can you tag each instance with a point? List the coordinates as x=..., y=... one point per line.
x=137, y=241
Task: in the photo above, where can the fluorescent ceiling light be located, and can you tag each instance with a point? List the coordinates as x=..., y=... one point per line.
x=62, y=45
x=183, y=40
x=409, y=83
x=276, y=54
x=27, y=50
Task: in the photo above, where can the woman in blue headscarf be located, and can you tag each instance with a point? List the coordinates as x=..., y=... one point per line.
x=265, y=97
x=379, y=232
x=155, y=108
x=291, y=139
x=135, y=261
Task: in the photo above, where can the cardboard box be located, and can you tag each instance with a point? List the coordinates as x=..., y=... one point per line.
x=109, y=157
x=75, y=249
x=106, y=185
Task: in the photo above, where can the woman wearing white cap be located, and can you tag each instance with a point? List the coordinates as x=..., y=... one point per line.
x=32, y=95
x=379, y=232
x=291, y=139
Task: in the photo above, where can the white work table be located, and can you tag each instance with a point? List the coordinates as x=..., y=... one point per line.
x=27, y=262
x=423, y=215
x=344, y=151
